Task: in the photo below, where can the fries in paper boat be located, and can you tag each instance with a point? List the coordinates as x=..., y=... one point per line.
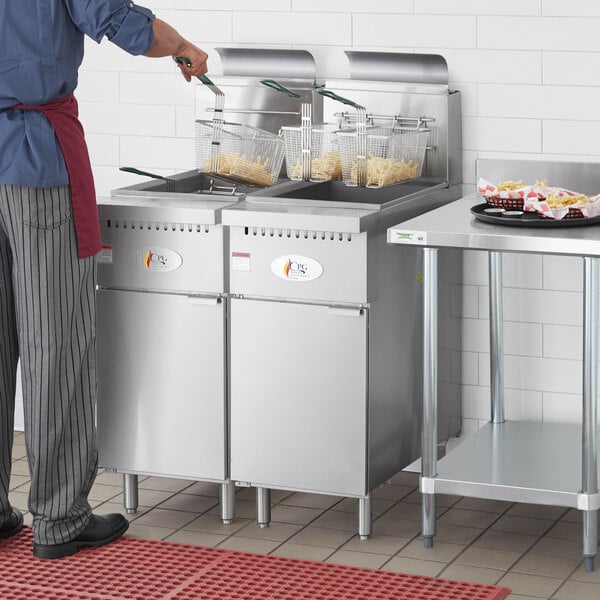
x=561, y=204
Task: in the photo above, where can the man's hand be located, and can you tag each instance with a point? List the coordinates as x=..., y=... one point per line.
x=168, y=42
x=197, y=61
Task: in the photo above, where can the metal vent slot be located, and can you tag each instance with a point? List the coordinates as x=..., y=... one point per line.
x=298, y=234
x=141, y=225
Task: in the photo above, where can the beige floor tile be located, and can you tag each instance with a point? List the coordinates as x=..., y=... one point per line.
x=248, y=545
x=357, y=559
x=334, y=519
x=149, y=532
x=572, y=516
x=159, y=517
x=112, y=507
x=165, y=484
x=378, y=507
x=311, y=500
x=190, y=503
x=27, y=519
x=556, y=547
x=576, y=590
x=104, y=492
x=402, y=564
x=205, y=488
x=19, y=481
x=249, y=493
x=441, y=552
x=303, y=551
x=20, y=467
x=213, y=524
x=519, y=597
x=396, y=527
x=537, y=511
x=546, y=566
x=147, y=497
x=319, y=536
x=18, y=452
x=565, y=530
x=582, y=575
x=294, y=514
x=506, y=540
x=471, y=574
x=278, y=532
x=109, y=478
x=377, y=544
x=522, y=525
x=531, y=585
x=489, y=558
x=196, y=538
x=18, y=500
x=483, y=505
x=468, y=518
x=454, y=534
x=411, y=512
x=245, y=509
x=440, y=499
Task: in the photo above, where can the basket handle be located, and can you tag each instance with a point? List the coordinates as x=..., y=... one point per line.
x=275, y=85
x=361, y=133
x=138, y=172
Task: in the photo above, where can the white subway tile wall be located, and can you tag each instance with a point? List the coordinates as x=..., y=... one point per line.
x=529, y=76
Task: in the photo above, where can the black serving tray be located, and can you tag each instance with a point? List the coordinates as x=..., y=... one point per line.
x=529, y=219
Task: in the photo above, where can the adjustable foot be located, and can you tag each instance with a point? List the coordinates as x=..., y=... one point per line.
x=428, y=541
x=589, y=563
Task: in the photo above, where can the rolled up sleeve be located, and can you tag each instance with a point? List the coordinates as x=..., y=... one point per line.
x=124, y=23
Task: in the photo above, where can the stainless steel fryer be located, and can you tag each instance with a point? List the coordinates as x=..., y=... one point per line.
x=325, y=394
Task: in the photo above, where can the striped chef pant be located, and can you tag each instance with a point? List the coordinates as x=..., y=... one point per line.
x=47, y=319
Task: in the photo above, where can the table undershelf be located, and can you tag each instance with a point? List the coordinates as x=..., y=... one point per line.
x=517, y=461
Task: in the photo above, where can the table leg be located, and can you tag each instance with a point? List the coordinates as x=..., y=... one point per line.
x=430, y=354
x=496, y=337
x=589, y=479
x=263, y=507
x=365, y=517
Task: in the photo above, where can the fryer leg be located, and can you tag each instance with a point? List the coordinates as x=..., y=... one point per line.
x=227, y=502
x=130, y=493
x=263, y=506
x=365, y=517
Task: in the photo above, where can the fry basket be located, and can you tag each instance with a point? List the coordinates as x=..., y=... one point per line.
x=241, y=152
x=392, y=154
x=324, y=161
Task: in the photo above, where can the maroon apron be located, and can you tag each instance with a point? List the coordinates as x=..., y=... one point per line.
x=63, y=114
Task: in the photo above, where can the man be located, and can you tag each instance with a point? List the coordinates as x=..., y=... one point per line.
x=49, y=234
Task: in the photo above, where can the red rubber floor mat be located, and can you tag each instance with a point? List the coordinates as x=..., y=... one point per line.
x=135, y=569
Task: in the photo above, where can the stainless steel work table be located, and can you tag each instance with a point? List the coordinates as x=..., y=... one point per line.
x=542, y=463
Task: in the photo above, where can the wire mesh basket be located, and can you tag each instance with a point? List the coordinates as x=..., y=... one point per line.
x=240, y=152
x=392, y=155
x=324, y=155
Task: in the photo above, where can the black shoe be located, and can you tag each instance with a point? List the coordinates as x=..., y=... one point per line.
x=12, y=525
x=98, y=532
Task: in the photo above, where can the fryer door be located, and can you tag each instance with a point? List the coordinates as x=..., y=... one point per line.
x=299, y=396
x=161, y=384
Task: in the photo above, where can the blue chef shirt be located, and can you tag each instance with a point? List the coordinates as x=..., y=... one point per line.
x=41, y=48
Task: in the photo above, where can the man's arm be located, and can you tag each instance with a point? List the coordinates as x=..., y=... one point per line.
x=168, y=42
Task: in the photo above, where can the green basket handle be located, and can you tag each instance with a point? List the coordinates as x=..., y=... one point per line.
x=138, y=172
x=183, y=59
x=280, y=88
x=339, y=98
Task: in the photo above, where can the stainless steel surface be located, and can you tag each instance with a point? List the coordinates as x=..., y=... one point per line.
x=162, y=396
x=250, y=102
x=408, y=68
x=453, y=226
x=317, y=370
x=267, y=62
x=227, y=502
x=263, y=506
x=496, y=336
x=540, y=463
x=429, y=434
x=130, y=493
x=365, y=517
x=589, y=459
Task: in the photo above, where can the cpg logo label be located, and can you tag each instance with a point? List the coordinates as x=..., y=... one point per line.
x=159, y=259
x=294, y=267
